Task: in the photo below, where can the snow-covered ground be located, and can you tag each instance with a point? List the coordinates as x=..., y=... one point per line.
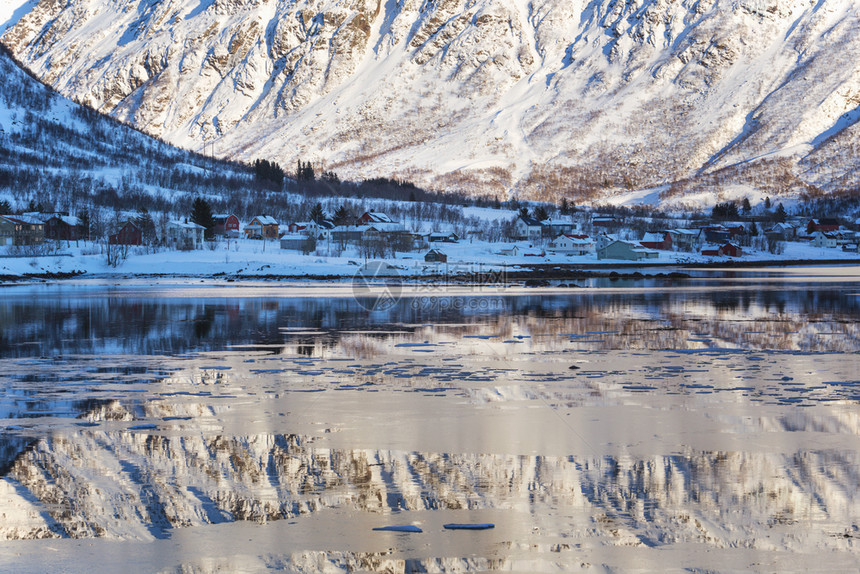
x=12, y=10
x=244, y=257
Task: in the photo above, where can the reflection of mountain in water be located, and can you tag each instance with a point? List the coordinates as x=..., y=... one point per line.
x=139, y=486
x=72, y=323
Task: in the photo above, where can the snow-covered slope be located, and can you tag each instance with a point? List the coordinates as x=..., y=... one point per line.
x=67, y=157
x=544, y=97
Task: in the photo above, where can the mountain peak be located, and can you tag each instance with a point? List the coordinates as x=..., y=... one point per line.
x=543, y=99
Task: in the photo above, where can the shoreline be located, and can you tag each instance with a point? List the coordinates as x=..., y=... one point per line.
x=515, y=272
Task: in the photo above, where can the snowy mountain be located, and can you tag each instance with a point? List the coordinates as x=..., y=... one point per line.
x=68, y=157
x=584, y=98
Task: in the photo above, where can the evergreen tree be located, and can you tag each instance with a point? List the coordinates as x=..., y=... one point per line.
x=5, y=207
x=342, y=215
x=745, y=206
x=317, y=213
x=84, y=225
x=565, y=206
x=541, y=213
x=780, y=214
x=330, y=177
x=146, y=225
x=304, y=171
x=727, y=210
x=753, y=229
x=35, y=207
x=524, y=212
x=268, y=171
x=767, y=202
x=201, y=214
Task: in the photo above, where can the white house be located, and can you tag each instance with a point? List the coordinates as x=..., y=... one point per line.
x=821, y=239
x=528, y=228
x=184, y=235
x=572, y=244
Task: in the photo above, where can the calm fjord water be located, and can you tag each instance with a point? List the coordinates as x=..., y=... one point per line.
x=709, y=424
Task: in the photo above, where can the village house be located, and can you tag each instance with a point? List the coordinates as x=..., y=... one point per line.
x=381, y=222
x=572, y=244
x=346, y=234
x=440, y=237
x=296, y=241
x=226, y=225
x=128, y=234
x=626, y=250
x=844, y=236
x=528, y=228
x=320, y=228
x=184, y=235
x=823, y=224
x=822, y=239
x=374, y=217
x=726, y=250
x=21, y=230
x=604, y=221
x=7, y=232
x=661, y=241
x=511, y=251
x=29, y=230
x=781, y=232
x=684, y=239
x=63, y=228
x=435, y=256
x=262, y=227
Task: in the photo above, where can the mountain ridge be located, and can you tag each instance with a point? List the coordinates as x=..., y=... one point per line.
x=540, y=99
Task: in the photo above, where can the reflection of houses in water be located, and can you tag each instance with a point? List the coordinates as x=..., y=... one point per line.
x=89, y=323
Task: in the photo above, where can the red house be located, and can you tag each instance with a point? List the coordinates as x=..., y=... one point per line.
x=730, y=250
x=657, y=241
x=63, y=228
x=226, y=225
x=374, y=217
x=727, y=250
x=824, y=225
x=129, y=234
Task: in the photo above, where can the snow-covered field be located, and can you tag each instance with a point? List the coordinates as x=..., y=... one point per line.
x=243, y=257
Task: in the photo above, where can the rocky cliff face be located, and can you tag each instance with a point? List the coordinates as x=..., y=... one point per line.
x=543, y=97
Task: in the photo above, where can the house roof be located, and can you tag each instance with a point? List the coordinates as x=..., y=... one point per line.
x=25, y=218
x=632, y=245
x=653, y=238
x=530, y=221
x=266, y=220
x=294, y=236
x=377, y=217
x=185, y=225
x=683, y=231
x=387, y=226
x=68, y=219
x=222, y=216
x=558, y=222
